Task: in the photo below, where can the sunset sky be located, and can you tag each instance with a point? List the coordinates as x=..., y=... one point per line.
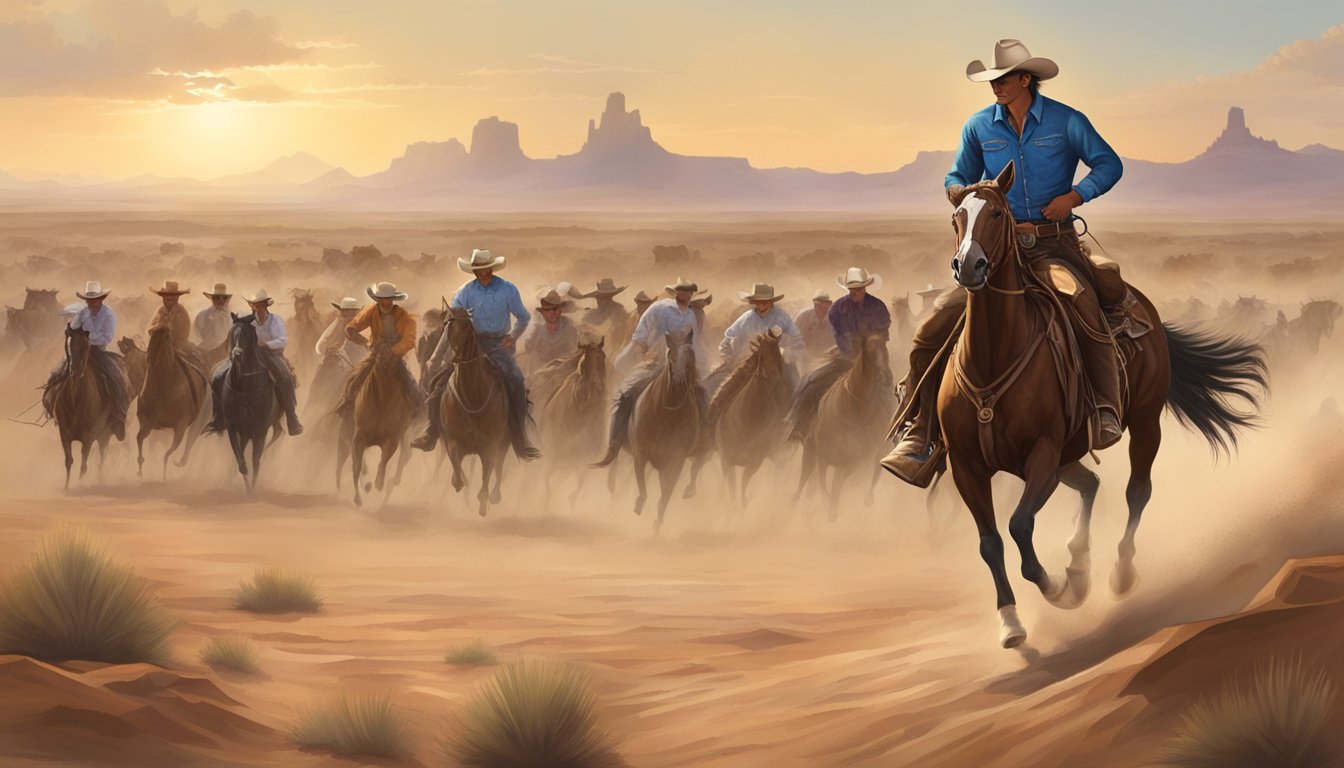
x=203, y=88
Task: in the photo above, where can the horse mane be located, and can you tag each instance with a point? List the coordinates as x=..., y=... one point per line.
x=737, y=380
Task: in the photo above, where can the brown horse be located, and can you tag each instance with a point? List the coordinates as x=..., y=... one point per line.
x=1002, y=407
x=474, y=410
x=664, y=428
x=136, y=363
x=304, y=330
x=573, y=411
x=748, y=411
x=382, y=414
x=850, y=423
x=172, y=397
x=79, y=406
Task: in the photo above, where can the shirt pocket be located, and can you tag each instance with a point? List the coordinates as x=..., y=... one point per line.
x=994, y=145
x=1052, y=145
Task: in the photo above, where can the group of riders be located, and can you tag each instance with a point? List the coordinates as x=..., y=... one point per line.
x=1044, y=139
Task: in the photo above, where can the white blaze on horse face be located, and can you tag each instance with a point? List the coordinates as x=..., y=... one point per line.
x=972, y=205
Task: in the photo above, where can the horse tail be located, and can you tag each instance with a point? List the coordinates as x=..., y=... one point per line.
x=1206, y=373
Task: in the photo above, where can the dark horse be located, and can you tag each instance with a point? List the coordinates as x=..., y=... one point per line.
x=474, y=410
x=79, y=405
x=1002, y=406
x=248, y=399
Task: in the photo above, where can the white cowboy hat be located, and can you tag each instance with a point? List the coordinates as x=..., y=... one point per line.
x=219, y=289
x=385, y=291
x=260, y=297
x=1011, y=56
x=821, y=295
x=858, y=277
x=72, y=309
x=481, y=260
x=760, y=292
x=170, y=288
x=349, y=302
x=929, y=290
x=92, y=290
x=681, y=284
x=606, y=287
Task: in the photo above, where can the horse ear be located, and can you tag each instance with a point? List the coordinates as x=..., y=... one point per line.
x=1005, y=178
x=601, y=342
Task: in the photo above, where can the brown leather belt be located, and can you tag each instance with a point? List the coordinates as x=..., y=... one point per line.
x=1048, y=229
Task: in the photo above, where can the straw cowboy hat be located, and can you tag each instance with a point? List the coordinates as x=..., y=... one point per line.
x=481, y=260
x=929, y=291
x=349, y=302
x=1011, y=56
x=553, y=300
x=821, y=295
x=385, y=291
x=170, y=288
x=760, y=292
x=643, y=298
x=219, y=289
x=702, y=300
x=605, y=287
x=260, y=297
x=93, y=289
x=682, y=284
x=858, y=277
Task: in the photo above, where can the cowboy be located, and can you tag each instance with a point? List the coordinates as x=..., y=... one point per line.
x=853, y=317
x=212, y=324
x=642, y=303
x=333, y=340
x=609, y=319
x=172, y=314
x=1048, y=140
x=815, y=326
x=391, y=335
x=271, y=340
x=491, y=300
x=101, y=323
x=552, y=338
x=760, y=318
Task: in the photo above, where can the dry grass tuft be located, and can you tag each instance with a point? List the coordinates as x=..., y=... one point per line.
x=359, y=724
x=1279, y=721
x=476, y=653
x=531, y=714
x=70, y=600
x=275, y=590
x=234, y=654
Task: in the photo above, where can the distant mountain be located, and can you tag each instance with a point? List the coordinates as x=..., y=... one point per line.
x=1321, y=150
x=298, y=168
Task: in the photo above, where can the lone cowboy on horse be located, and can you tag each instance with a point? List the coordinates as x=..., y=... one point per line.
x=101, y=323
x=392, y=332
x=491, y=300
x=172, y=314
x=272, y=338
x=1046, y=140
x=761, y=316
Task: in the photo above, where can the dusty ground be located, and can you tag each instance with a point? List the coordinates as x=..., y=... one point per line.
x=774, y=638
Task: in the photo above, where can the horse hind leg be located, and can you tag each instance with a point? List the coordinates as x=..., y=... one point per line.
x=640, y=465
x=178, y=434
x=973, y=484
x=69, y=458
x=357, y=447
x=805, y=471
x=194, y=433
x=1079, y=571
x=140, y=436
x=748, y=472
x=85, y=446
x=500, y=454
x=1145, y=437
x=389, y=449
x=667, y=483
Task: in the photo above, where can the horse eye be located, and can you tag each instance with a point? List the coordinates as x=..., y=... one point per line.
x=998, y=215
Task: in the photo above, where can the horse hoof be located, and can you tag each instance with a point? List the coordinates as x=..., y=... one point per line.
x=1053, y=590
x=495, y=497
x=1012, y=633
x=368, y=487
x=689, y=493
x=1123, y=580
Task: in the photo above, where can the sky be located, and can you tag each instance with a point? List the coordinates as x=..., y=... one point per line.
x=205, y=88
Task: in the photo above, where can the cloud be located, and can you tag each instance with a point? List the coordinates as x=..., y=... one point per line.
x=563, y=65
x=1322, y=57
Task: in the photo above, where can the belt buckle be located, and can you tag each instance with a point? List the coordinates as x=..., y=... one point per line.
x=1026, y=240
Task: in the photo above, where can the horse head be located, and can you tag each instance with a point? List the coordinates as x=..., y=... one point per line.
x=242, y=336
x=77, y=349
x=126, y=345
x=461, y=332
x=765, y=349
x=1323, y=314
x=681, y=356
x=983, y=224
x=593, y=356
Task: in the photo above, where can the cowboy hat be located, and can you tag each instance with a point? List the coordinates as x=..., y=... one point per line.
x=170, y=288
x=260, y=297
x=858, y=277
x=70, y=310
x=929, y=291
x=481, y=260
x=682, y=284
x=1011, y=56
x=821, y=295
x=605, y=287
x=385, y=291
x=553, y=300
x=702, y=300
x=93, y=289
x=348, y=302
x=760, y=292
x=219, y=289
x=644, y=298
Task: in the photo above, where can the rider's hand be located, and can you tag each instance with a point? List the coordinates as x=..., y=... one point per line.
x=508, y=342
x=1060, y=208
x=953, y=192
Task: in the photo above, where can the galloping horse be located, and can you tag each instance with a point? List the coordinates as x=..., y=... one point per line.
x=383, y=411
x=305, y=328
x=1002, y=405
x=474, y=409
x=850, y=423
x=136, y=363
x=248, y=399
x=171, y=398
x=664, y=428
x=747, y=413
x=573, y=410
x=78, y=404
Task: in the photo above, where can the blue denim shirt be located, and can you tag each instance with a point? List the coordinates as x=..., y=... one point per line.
x=1055, y=137
x=491, y=306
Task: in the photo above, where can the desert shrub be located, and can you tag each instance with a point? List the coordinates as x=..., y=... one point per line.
x=70, y=600
x=358, y=724
x=476, y=653
x=274, y=590
x=531, y=714
x=234, y=654
x=1280, y=721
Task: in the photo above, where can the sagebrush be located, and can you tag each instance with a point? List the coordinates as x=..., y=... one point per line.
x=276, y=590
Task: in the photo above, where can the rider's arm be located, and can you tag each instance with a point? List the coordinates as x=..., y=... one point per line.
x=361, y=321
x=406, y=330
x=280, y=338
x=968, y=165
x=1103, y=163
x=519, y=311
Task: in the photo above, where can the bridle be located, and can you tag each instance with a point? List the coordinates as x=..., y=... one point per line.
x=1007, y=242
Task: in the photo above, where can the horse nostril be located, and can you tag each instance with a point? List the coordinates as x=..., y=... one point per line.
x=956, y=265
x=981, y=263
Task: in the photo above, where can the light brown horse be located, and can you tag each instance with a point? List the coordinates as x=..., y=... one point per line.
x=573, y=411
x=664, y=429
x=382, y=415
x=136, y=363
x=850, y=423
x=1002, y=405
x=78, y=405
x=172, y=397
x=748, y=411
x=474, y=410
x=305, y=327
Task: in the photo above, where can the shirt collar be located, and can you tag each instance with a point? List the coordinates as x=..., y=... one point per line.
x=1035, y=110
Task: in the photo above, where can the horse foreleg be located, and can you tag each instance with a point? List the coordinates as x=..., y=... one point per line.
x=239, y=446
x=69, y=457
x=403, y=458
x=667, y=483
x=698, y=461
x=870, y=498
x=640, y=464
x=1041, y=473
x=84, y=447
x=578, y=488
x=194, y=433
x=483, y=495
x=748, y=472
x=342, y=455
x=729, y=476
x=140, y=436
x=388, y=449
x=178, y=434
x=500, y=455
x=973, y=483
x=1079, y=572
x=805, y=471
x=459, y=480
x=258, y=446
x=1145, y=437
x=839, y=474
x=357, y=446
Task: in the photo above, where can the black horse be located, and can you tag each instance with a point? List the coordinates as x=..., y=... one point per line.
x=248, y=398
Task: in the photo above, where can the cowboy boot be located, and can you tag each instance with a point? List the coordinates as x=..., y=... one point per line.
x=913, y=460
x=1103, y=372
x=429, y=439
